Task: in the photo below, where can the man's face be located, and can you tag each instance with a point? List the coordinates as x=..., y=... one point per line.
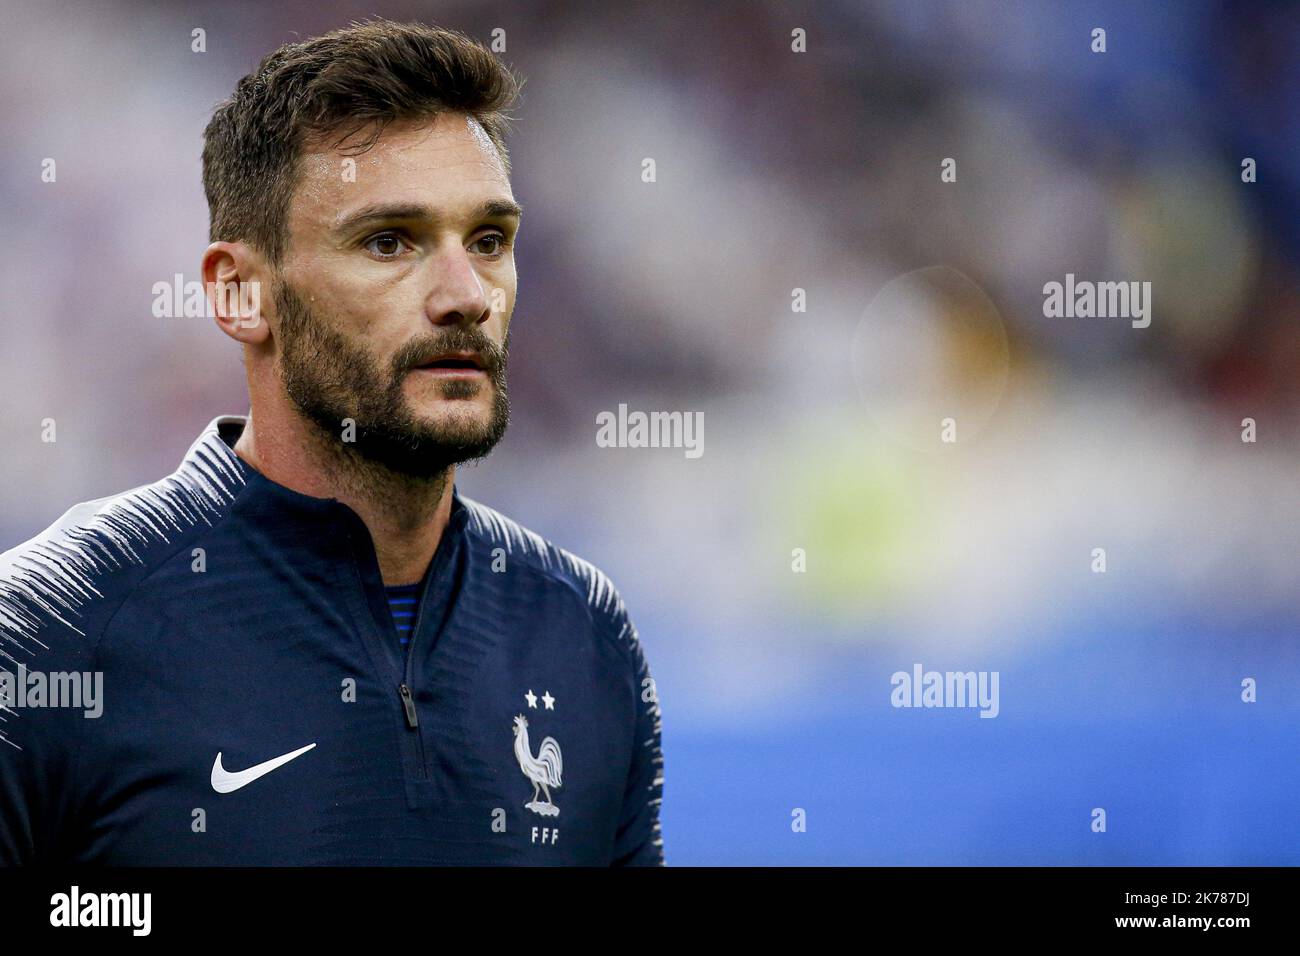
x=394, y=298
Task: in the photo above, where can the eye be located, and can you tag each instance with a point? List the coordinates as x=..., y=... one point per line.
x=386, y=245
x=498, y=246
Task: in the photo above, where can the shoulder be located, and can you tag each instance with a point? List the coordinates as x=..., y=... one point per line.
x=72, y=575
x=559, y=567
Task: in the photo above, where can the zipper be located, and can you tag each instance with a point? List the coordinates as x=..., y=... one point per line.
x=404, y=688
x=412, y=719
x=375, y=628
x=405, y=694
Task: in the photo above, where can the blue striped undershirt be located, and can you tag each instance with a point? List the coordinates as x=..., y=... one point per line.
x=403, y=602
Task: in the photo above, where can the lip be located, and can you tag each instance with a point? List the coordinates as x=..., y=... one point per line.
x=450, y=372
x=471, y=364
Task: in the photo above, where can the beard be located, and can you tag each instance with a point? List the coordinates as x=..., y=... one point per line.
x=329, y=378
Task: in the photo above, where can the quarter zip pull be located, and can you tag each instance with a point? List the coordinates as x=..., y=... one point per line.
x=408, y=704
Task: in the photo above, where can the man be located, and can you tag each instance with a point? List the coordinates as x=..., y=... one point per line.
x=304, y=646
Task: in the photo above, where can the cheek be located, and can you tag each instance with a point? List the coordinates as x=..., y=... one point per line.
x=500, y=282
x=504, y=308
x=352, y=306
x=376, y=318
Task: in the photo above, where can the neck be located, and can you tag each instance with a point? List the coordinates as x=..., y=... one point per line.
x=405, y=515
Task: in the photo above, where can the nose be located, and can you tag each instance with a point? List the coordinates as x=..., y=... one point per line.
x=458, y=296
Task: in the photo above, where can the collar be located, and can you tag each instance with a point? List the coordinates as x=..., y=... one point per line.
x=212, y=460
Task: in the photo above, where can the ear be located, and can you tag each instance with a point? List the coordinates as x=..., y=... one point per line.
x=232, y=277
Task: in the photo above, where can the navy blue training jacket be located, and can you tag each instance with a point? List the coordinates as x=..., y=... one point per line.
x=255, y=706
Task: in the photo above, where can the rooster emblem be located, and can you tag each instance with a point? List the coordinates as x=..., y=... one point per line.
x=544, y=770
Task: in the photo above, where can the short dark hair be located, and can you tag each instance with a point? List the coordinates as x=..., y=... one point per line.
x=353, y=80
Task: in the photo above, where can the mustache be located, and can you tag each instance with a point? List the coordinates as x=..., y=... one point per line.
x=423, y=350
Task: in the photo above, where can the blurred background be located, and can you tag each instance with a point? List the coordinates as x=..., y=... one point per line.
x=816, y=171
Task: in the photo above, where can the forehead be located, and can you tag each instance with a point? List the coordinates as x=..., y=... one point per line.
x=447, y=161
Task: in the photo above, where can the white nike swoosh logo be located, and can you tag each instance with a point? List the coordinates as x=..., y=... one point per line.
x=223, y=781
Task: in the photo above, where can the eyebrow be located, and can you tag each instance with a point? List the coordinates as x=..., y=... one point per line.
x=489, y=209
